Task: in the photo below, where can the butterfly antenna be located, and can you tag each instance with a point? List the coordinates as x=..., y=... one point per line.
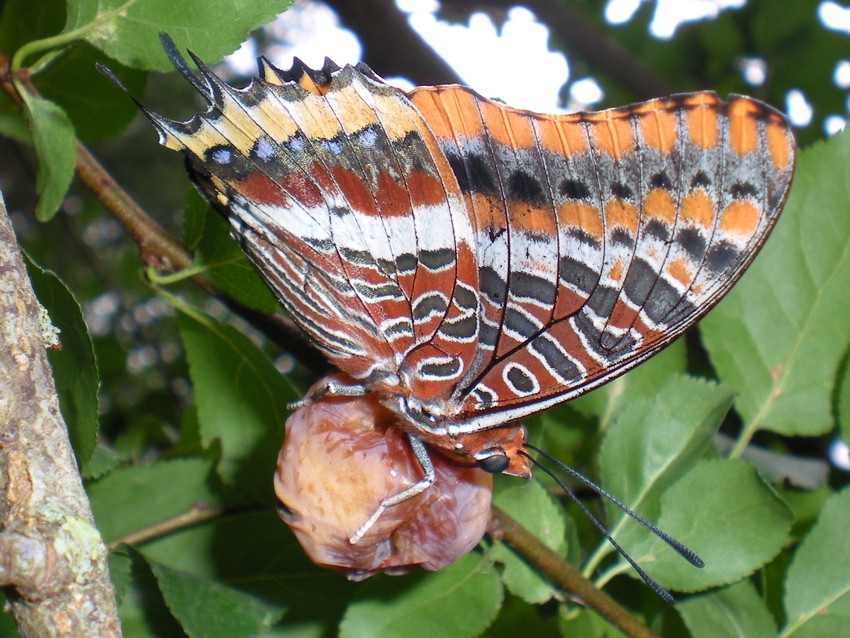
x=683, y=551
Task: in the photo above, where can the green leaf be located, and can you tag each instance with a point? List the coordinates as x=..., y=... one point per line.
x=258, y=554
x=8, y=626
x=13, y=124
x=587, y=623
x=103, y=460
x=55, y=147
x=777, y=337
x=128, y=31
x=120, y=572
x=22, y=21
x=74, y=366
x=653, y=442
x=208, y=234
x=736, y=611
x=461, y=600
x=644, y=380
x=142, y=609
x=518, y=618
x=723, y=511
x=530, y=503
x=241, y=400
x=97, y=109
x=133, y=498
x=193, y=600
x=817, y=586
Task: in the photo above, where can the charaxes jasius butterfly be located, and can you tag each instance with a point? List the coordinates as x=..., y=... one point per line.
x=472, y=264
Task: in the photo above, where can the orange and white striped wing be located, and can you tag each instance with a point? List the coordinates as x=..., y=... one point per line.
x=601, y=237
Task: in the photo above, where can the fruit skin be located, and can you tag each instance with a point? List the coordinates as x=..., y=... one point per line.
x=341, y=456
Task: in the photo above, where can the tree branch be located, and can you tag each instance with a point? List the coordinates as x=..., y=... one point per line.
x=50, y=551
x=562, y=574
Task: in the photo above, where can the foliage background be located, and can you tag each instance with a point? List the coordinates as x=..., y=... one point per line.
x=175, y=406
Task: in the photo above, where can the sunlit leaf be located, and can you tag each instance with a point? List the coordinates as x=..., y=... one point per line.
x=129, y=31
x=461, y=600
x=817, y=587
x=778, y=337
x=723, y=511
x=55, y=148
x=736, y=611
x=653, y=442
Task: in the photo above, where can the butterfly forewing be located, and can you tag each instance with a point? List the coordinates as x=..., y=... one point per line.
x=339, y=195
x=603, y=236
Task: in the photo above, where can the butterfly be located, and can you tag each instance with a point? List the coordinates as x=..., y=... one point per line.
x=472, y=264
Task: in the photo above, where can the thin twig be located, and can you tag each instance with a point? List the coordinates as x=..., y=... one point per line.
x=197, y=514
x=156, y=246
x=563, y=575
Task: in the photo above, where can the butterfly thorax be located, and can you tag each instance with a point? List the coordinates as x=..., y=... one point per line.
x=495, y=449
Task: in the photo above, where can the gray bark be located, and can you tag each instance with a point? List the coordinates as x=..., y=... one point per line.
x=52, y=558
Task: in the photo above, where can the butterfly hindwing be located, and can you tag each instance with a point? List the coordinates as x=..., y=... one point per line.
x=641, y=218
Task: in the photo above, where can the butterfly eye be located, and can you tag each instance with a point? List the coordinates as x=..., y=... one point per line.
x=494, y=460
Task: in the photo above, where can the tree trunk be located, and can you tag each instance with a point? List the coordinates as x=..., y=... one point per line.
x=52, y=559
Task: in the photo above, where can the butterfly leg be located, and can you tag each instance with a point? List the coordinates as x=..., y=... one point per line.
x=330, y=387
x=421, y=454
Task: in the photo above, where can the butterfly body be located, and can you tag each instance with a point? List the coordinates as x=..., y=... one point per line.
x=473, y=264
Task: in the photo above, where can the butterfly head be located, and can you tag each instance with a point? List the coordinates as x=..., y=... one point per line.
x=498, y=450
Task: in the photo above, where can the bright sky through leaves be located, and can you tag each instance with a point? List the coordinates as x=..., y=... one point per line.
x=485, y=54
